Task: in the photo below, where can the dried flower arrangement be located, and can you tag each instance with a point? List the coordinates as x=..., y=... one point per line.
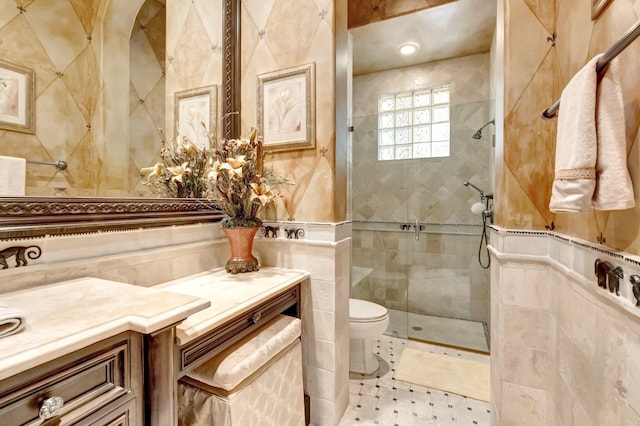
x=230, y=171
x=241, y=182
x=182, y=172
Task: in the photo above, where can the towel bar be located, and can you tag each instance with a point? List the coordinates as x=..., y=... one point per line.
x=631, y=34
x=60, y=164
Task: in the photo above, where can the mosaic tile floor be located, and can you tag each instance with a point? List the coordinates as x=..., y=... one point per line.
x=379, y=399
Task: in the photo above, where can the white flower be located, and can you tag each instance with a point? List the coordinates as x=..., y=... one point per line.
x=234, y=165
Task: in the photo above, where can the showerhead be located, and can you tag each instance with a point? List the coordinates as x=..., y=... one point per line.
x=478, y=134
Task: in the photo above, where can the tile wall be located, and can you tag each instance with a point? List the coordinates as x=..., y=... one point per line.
x=430, y=190
x=564, y=351
x=323, y=249
x=438, y=274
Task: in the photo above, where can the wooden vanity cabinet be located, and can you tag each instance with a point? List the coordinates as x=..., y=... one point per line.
x=100, y=385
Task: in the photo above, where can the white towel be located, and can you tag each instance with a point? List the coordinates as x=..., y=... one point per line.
x=12, y=176
x=614, y=190
x=11, y=321
x=591, y=166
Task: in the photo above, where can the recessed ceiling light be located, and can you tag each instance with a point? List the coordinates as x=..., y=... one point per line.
x=408, y=48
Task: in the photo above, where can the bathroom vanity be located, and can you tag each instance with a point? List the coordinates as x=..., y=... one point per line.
x=83, y=342
x=114, y=352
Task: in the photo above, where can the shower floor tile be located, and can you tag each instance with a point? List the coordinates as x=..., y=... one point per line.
x=447, y=331
x=380, y=399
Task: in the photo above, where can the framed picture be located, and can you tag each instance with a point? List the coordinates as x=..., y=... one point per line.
x=195, y=114
x=17, y=98
x=597, y=6
x=286, y=108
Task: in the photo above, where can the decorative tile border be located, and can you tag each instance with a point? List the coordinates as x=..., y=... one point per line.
x=573, y=257
x=305, y=231
x=626, y=257
x=21, y=255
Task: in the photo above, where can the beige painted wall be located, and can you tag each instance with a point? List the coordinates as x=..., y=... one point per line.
x=194, y=49
x=278, y=35
x=84, y=96
x=535, y=74
x=67, y=91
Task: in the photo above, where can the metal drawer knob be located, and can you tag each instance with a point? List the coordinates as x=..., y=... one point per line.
x=50, y=407
x=255, y=318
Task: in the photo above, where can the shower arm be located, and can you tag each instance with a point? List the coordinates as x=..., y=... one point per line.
x=467, y=183
x=487, y=123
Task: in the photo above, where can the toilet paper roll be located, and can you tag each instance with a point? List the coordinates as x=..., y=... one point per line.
x=477, y=208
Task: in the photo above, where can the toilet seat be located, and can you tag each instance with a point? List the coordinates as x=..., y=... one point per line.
x=362, y=311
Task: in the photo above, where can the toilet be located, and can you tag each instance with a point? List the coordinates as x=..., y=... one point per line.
x=367, y=321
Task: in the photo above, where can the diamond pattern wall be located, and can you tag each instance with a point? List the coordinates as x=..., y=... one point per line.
x=276, y=35
x=194, y=49
x=147, y=90
x=80, y=115
x=429, y=190
x=535, y=74
x=63, y=62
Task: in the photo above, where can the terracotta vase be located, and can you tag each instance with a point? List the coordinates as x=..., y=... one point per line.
x=241, y=243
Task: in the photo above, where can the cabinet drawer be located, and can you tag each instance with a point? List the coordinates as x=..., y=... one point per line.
x=85, y=381
x=220, y=338
x=124, y=415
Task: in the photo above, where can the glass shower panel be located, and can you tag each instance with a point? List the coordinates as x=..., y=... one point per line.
x=415, y=239
x=447, y=290
x=380, y=194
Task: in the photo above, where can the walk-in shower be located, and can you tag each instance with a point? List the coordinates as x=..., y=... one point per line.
x=414, y=245
x=415, y=238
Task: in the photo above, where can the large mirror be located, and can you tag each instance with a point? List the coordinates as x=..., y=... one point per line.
x=103, y=87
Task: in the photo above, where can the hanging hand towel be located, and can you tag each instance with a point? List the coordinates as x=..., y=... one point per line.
x=576, y=144
x=12, y=176
x=614, y=190
x=591, y=158
x=11, y=321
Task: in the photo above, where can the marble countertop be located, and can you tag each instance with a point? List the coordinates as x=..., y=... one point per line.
x=67, y=316
x=229, y=295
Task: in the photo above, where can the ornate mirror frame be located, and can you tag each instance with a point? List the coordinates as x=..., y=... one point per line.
x=29, y=217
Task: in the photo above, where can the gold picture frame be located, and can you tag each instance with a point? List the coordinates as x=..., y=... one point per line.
x=597, y=6
x=192, y=108
x=286, y=108
x=17, y=98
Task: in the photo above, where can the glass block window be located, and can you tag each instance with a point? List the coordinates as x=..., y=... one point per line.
x=414, y=124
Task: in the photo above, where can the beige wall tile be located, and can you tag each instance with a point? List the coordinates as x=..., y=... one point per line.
x=523, y=327
x=527, y=366
x=527, y=406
